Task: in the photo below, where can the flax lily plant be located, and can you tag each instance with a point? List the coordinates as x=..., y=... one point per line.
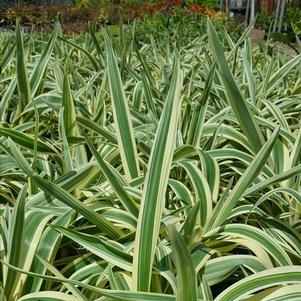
x=144, y=172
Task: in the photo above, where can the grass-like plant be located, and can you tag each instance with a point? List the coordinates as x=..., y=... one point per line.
x=133, y=171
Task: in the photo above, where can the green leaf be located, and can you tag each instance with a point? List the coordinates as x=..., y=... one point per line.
x=186, y=277
x=35, y=225
x=26, y=140
x=114, y=294
x=22, y=77
x=93, y=61
x=199, y=112
x=47, y=248
x=15, y=243
x=100, y=247
x=155, y=185
x=121, y=113
x=287, y=293
x=41, y=66
x=218, y=269
x=244, y=181
x=69, y=109
x=259, y=281
x=260, y=237
x=239, y=105
x=282, y=73
x=6, y=98
x=106, y=168
x=65, y=197
x=91, y=125
x=49, y=296
x=273, y=180
x=201, y=190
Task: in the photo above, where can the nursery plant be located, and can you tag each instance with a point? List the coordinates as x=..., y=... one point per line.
x=146, y=171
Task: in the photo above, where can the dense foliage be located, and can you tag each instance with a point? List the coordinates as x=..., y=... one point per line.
x=75, y=18
x=290, y=31
x=146, y=171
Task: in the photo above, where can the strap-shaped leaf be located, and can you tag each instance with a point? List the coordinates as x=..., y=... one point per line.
x=112, y=294
x=26, y=141
x=40, y=67
x=259, y=281
x=101, y=248
x=218, y=217
x=155, y=185
x=122, y=118
x=255, y=234
x=106, y=168
x=186, y=277
x=238, y=103
x=15, y=242
x=65, y=197
x=22, y=76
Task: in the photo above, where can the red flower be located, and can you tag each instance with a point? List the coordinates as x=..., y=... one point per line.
x=196, y=8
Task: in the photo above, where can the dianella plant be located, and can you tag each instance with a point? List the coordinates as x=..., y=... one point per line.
x=142, y=171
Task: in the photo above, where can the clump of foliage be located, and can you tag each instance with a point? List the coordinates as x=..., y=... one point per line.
x=72, y=18
x=148, y=173
x=291, y=28
x=180, y=26
x=265, y=21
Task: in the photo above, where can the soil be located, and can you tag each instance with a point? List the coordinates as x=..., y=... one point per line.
x=257, y=36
